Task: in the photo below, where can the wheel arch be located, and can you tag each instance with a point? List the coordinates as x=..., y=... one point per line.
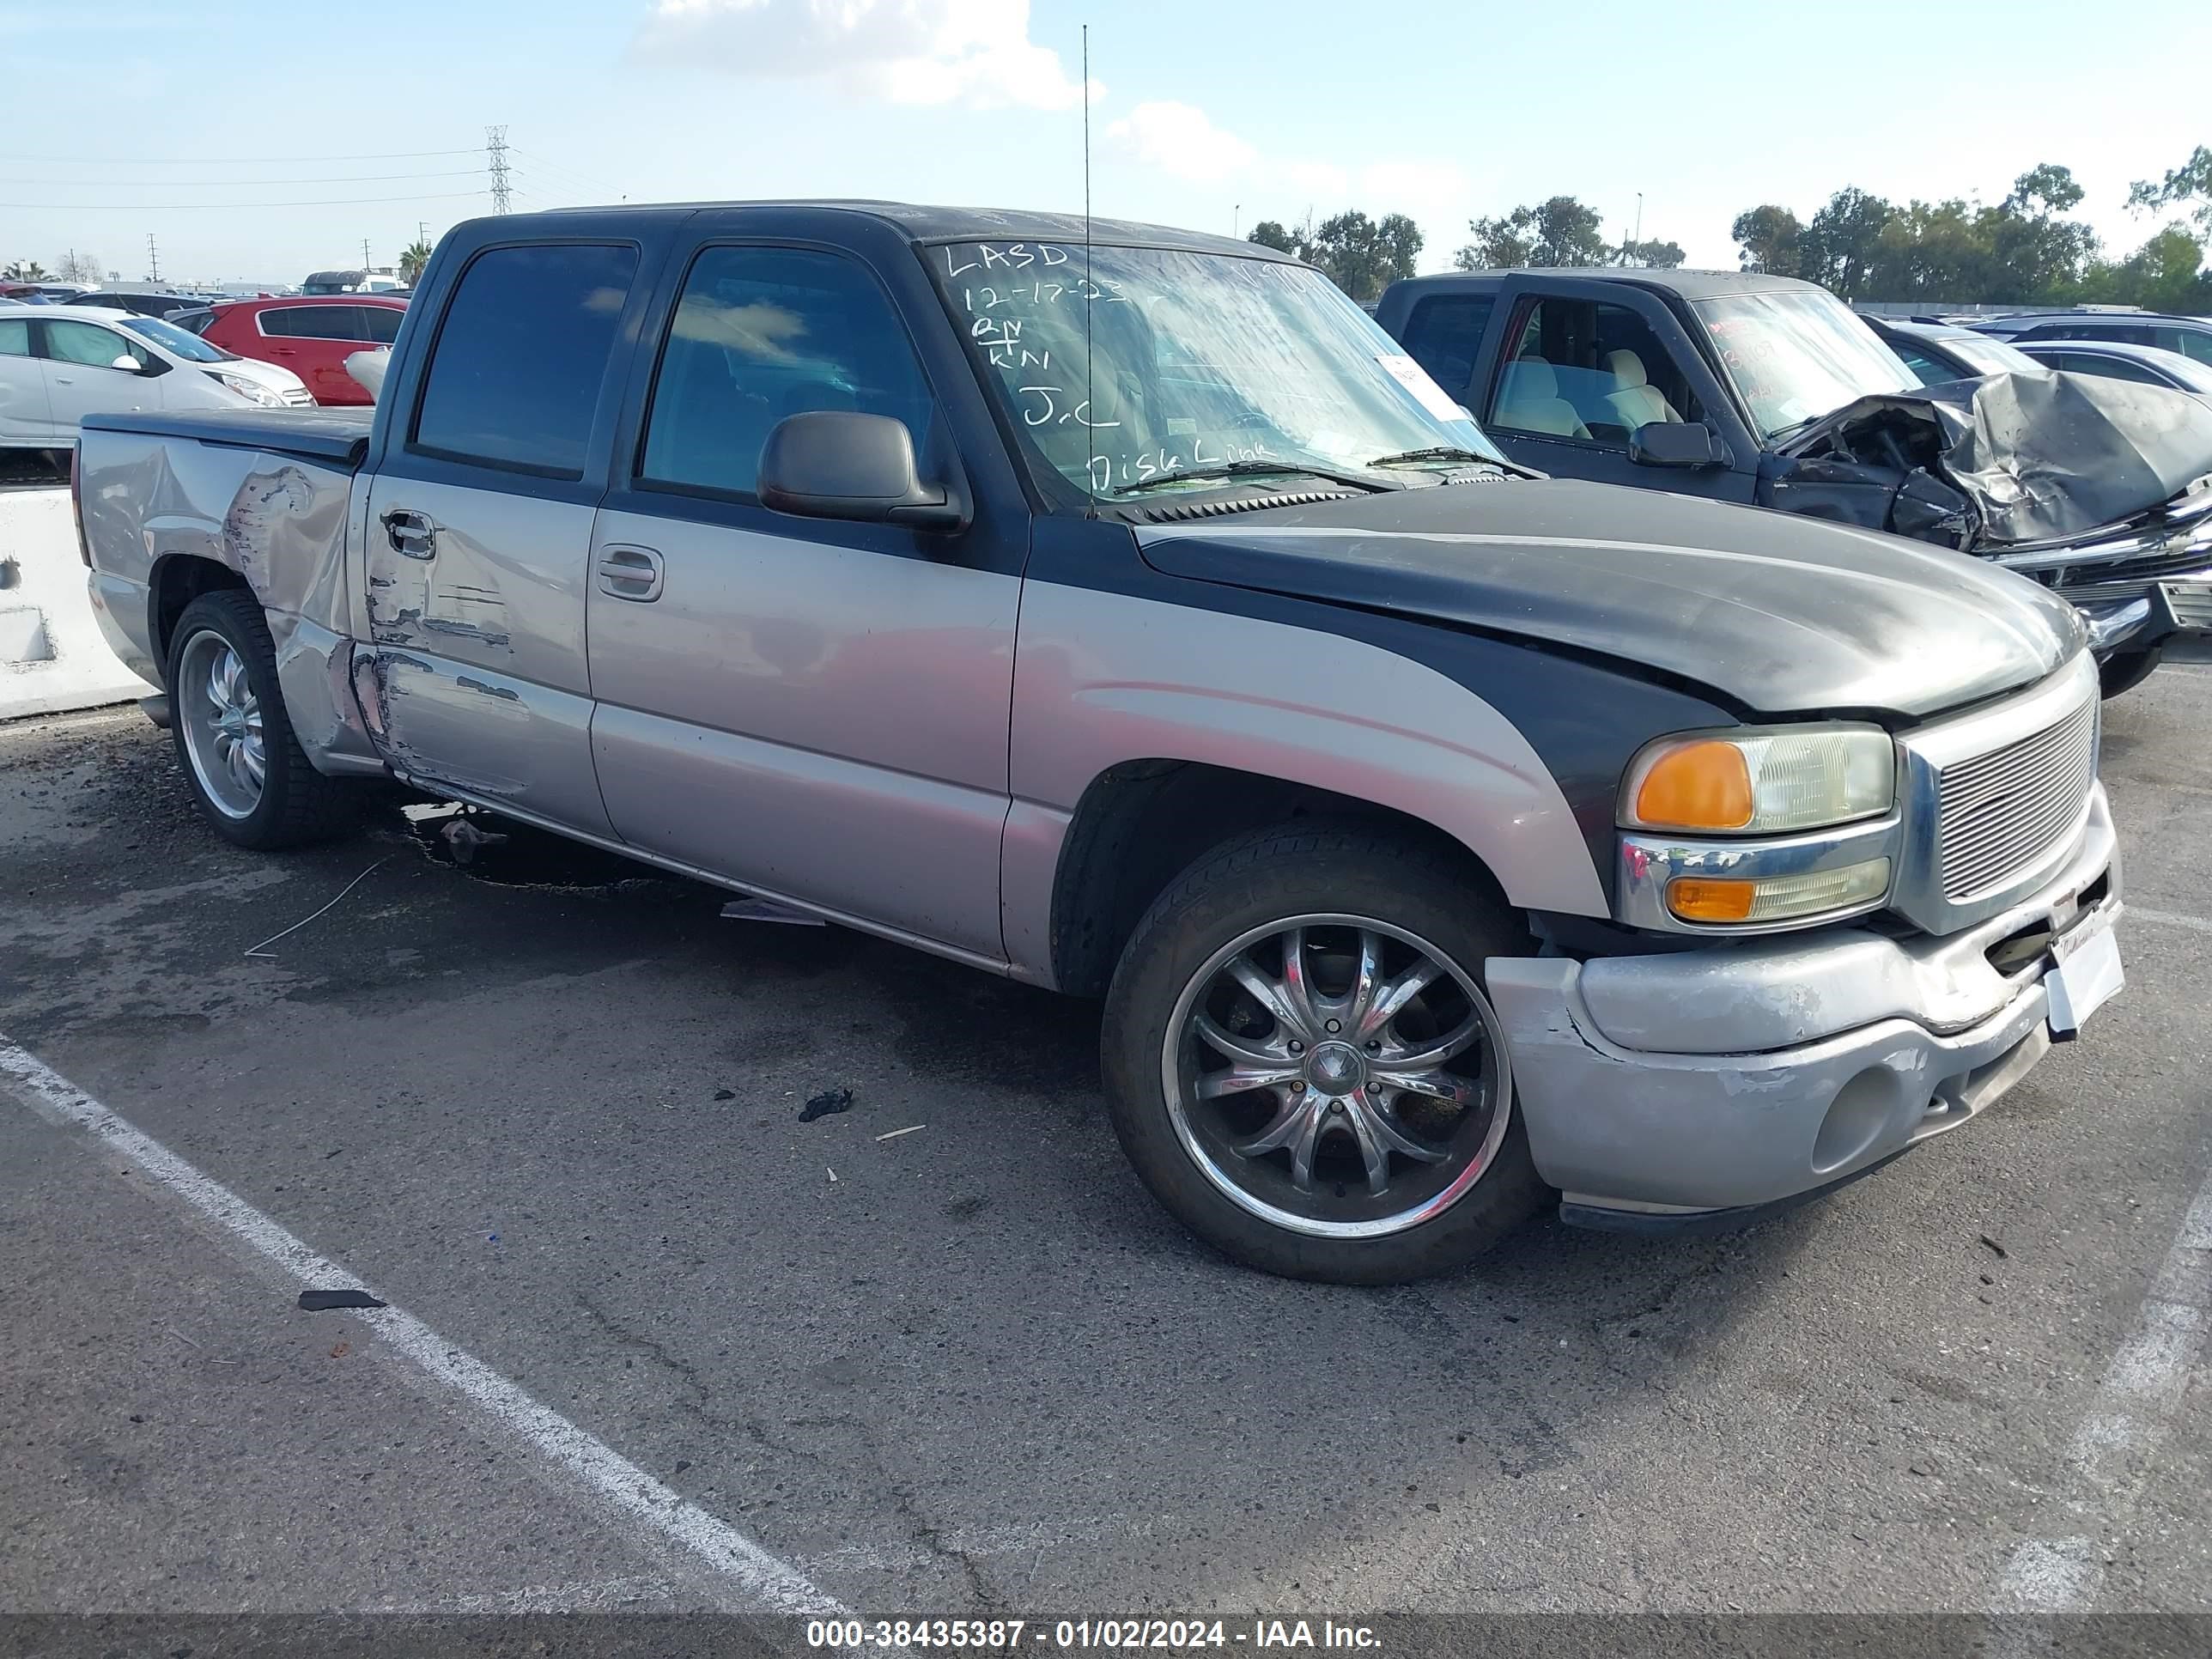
x=1139, y=824
x=175, y=581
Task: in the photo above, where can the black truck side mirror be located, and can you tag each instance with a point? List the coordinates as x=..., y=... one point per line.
x=836, y=464
x=1676, y=443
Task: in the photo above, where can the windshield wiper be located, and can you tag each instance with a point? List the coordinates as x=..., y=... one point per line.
x=1249, y=469
x=1434, y=453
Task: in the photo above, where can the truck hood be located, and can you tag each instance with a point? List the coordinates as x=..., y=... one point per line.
x=1780, y=615
x=2004, y=462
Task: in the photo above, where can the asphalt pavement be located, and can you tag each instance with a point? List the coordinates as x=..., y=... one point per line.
x=548, y=1106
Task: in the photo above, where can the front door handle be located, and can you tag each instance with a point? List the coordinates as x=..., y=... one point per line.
x=411, y=535
x=630, y=573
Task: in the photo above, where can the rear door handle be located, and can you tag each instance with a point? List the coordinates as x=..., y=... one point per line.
x=630, y=573
x=411, y=535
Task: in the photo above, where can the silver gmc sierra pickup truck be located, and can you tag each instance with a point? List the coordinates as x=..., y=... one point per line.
x=1121, y=610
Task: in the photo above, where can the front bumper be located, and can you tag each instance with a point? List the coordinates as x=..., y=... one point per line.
x=2176, y=612
x=1678, y=1087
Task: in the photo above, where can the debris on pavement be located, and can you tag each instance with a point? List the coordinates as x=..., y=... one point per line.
x=833, y=1175
x=829, y=1101
x=323, y=1301
x=1991, y=1244
x=908, y=1130
x=464, y=838
x=759, y=909
x=725, y=1094
x=263, y=950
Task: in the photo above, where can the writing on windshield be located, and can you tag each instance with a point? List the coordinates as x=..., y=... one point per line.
x=1190, y=361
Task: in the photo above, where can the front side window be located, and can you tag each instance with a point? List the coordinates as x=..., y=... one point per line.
x=1587, y=370
x=2195, y=342
x=763, y=333
x=91, y=345
x=1190, y=361
x=2114, y=368
x=1795, y=355
x=380, y=324
x=522, y=354
x=1929, y=371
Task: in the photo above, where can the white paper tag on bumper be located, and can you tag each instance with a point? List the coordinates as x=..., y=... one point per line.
x=2083, y=983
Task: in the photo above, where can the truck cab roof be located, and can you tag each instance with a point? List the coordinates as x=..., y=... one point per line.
x=1686, y=284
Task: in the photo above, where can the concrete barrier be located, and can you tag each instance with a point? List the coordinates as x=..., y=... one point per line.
x=52, y=655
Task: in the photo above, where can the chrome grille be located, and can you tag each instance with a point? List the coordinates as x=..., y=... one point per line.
x=2000, y=812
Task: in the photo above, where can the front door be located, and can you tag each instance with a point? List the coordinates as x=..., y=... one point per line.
x=1580, y=365
x=811, y=709
x=479, y=530
x=82, y=378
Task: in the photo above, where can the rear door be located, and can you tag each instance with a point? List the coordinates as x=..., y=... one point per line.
x=809, y=708
x=24, y=416
x=479, y=528
x=1579, y=366
x=314, y=342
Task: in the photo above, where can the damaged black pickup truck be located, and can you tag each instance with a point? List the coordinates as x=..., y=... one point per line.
x=1746, y=387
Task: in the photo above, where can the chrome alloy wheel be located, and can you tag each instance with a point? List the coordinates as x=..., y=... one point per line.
x=1337, y=1076
x=221, y=720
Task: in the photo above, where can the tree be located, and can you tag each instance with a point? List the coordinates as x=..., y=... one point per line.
x=1653, y=256
x=2165, y=274
x=1270, y=233
x=26, y=270
x=1838, y=247
x=81, y=268
x=1561, y=231
x=1769, y=239
x=412, y=259
x=2189, y=182
x=1363, y=256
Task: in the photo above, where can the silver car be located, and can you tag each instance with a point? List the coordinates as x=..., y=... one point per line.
x=57, y=367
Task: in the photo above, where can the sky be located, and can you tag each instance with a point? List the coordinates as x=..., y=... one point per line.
x=256, y=142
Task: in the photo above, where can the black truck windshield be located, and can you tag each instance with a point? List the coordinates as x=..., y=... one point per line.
x=1798, y=353
x=1195, y=362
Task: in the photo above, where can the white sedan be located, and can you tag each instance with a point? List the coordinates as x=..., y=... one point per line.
x=58, y=366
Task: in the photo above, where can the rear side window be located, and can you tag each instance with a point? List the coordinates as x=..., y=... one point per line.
x=1444, y=335
x=383, y=323
x=15, y=338
x=763, y=333
x=521, y=354
x=313, y=323
x=2113, y=369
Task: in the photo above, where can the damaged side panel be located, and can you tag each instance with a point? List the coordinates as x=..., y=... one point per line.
x=470, y=668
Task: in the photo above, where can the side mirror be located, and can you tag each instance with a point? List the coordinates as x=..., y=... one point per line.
x=1676, y=443
x=128, y=364
x=834, y=463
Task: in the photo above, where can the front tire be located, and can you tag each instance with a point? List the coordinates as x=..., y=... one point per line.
x=1305, y=1066
x=233, y=738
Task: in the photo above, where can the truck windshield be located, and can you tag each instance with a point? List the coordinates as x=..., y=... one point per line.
x=1799, y=353
x=1195, y=362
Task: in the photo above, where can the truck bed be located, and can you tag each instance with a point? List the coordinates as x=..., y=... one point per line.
x=336, y=437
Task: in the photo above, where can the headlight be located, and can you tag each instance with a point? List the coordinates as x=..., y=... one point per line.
x=247, y=388
x=1761, y=783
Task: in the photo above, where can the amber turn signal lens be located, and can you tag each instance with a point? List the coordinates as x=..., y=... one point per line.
x=1697, y=900
x=1699, y=786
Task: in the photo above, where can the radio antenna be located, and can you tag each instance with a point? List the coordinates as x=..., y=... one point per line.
x=1091, y=288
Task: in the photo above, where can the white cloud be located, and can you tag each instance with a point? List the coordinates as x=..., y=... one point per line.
x=976, y=53
x=1182, y=141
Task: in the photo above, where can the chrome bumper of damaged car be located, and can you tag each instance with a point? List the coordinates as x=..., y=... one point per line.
x=2137, y=615
x=1701, y=1088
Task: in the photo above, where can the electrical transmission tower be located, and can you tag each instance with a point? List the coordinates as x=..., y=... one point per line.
x=496, y=155
x=153, y=258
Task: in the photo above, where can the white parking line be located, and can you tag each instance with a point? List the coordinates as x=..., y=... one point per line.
x=2112, y=1452
x=759, y=1581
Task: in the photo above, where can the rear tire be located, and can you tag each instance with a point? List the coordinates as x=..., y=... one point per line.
x=233, y=739
x=2127, y=671
x=1377, y=1142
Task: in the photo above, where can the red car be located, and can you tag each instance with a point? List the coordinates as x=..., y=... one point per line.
x=312, y=335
